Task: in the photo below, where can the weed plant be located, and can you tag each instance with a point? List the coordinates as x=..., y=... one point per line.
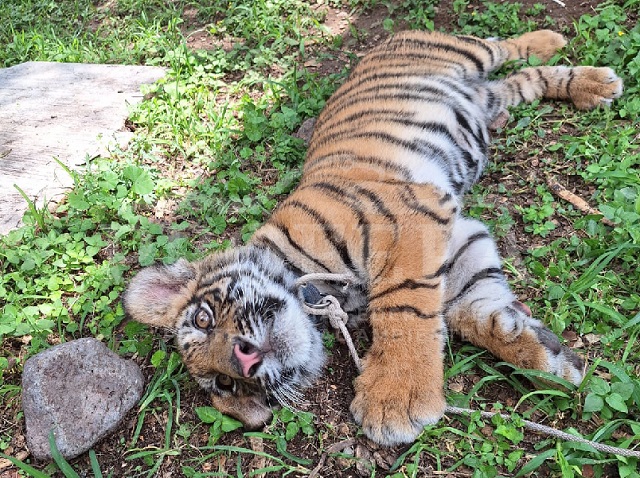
x=214, y=143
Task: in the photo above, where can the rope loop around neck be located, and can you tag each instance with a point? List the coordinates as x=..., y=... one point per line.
x=328, y=305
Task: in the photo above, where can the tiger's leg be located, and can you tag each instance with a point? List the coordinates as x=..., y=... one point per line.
x=586, y=86
x=481, y=308
x=465, y=57
x=400, y=389
x=493, y=53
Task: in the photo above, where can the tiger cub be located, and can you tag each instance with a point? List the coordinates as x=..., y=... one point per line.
x=392, y=154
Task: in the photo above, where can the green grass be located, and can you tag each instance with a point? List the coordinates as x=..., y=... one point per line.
x=214, y=139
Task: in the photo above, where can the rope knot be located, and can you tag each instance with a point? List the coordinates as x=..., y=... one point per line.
x=315, y=303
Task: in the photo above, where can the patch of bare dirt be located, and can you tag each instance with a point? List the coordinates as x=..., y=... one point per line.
x=563, y=14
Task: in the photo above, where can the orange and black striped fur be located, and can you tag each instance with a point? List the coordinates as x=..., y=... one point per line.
x=393, y=152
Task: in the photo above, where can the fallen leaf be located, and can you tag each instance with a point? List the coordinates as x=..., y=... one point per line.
x=578, y=344
x=456, y=386
x=592, y=338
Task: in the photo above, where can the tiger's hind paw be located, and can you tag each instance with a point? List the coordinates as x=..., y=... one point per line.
x=541, y=43
x=592, y=87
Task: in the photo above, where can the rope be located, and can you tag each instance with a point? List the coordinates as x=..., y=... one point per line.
x=545, y=430
x=328, y=305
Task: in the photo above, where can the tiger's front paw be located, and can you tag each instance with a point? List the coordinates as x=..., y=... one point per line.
x=561, y=360
x=394, y=401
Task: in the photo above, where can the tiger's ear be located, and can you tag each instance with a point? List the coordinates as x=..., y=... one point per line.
x=155, y=293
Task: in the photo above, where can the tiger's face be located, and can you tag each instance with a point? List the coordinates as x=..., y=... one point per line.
x=239, y=325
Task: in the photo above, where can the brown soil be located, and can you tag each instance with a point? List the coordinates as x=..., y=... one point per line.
x=351, y=455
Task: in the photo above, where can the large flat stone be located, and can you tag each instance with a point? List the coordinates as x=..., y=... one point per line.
x=61, y=110
x=81, y=391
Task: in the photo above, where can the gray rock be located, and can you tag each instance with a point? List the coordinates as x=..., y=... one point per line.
x=81, y=390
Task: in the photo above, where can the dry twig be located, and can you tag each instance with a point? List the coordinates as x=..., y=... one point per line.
x=579, y=203
x=335, y=448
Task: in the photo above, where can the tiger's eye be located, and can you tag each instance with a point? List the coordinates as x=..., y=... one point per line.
x=224, y=382
x=202, y=319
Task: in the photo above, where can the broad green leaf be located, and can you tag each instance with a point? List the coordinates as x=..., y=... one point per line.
x=286, y=415
x=208, y=414
x=147, y=254
x=616, y=402
x=625, y=390
x=158, y=357
x=141, y=180
x=593, y=403
x=292, y=430
x=229, y=424
x=76, y=201
x=143, y=184
x=599, y=386
x=510, y=432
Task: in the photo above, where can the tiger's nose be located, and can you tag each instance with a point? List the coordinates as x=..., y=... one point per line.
x=249, y=357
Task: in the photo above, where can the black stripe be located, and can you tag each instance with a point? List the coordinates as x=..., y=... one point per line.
x=469, y=55
x=228, y=271
x=285, y=230
x=481, y=143
x=518, y=88
x=442, y=86
x=416, y=64
x=410, y=200
x=488, y=273
x=409, y=284
x=235, y=270
x=329, y=232
x=444, y=199
x=339, y=194
x=266, y=243
x=512, y=92
x=491, y=102
x=317, y=163
x=470, y=240
x=458, y=187
x=380, y=94
x=571, y=78
x=443, y=269
x=378, y=114
x=543, y=80
x=273, y=247
x=421, y=66
x=482, y=44
x=403, y=309
x=428, y=126
x=216, y=292
x=377, y=202
x=462, y=121
x=418, y=146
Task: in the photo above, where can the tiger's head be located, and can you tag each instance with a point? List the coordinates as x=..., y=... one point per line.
x=239, y=326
